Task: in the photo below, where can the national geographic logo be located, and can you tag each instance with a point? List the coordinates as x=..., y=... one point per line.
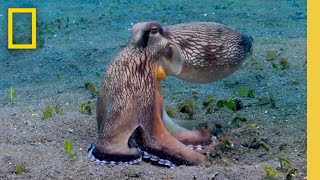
x=33, y=44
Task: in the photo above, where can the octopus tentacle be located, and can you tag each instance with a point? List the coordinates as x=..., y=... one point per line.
x=201, y=136
x=187, y=137
x=112, y=143
x=157, y=161
x=112, y=161
x=156, y=139
x=146, y=157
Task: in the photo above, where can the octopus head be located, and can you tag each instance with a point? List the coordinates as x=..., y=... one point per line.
x=199, y=52
x=148, y=35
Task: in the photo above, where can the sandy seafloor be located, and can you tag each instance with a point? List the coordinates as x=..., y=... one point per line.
x=77, y=39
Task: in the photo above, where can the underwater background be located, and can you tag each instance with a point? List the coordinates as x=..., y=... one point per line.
x=43, y=91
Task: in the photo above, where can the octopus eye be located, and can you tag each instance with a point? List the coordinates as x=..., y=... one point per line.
x=154, y=30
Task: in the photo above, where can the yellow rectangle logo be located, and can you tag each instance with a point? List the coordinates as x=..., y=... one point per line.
x=33, y=44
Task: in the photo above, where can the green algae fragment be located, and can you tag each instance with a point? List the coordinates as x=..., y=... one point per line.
x=283, y=161
x=186, y=106
x=275, y=66
x=68, y=146
x=230, y=104
x=291, y=174
x=264, y=146
x=86, y=108
x=90, y=87
x=270, y=172
x=208, y=102
x=240, y=118
x=83, y=106
x=58, y=109
x=220, y=104
x=250, y=93
x=284, y=63
x=13, y=94
x=48, y=112
x=242, y=91
x=223, y=138
x=19, y=169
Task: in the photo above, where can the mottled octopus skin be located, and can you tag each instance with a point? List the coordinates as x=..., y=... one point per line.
x=130, y=98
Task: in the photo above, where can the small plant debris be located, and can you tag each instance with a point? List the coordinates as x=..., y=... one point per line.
x=242, y=91
x=208, y=102
x=295, y=82
x=87, y=107
x=186, y=106
x=169, y=111
x=90, y=87
x=233, y=104
x=291, y=174
x=229, y=104
x=270, y=172
x=222, y=137
x=220, y=104
x=275, y=66
x=68, y=148
x=240, y=119
x=207, y=164
x=58, y=109
x=48, y=112
x=269, y=99
x=13, y=94
x=283, y=147
x=258, y=143
x=19, y=169
x=284, y=63
x=285, y=165
x=265, y=146
x=236, y=122
x=98, y=74
x=283, y=162
x=271, y=55
x=250, y=93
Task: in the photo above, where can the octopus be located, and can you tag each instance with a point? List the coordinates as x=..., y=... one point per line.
x=130, y=101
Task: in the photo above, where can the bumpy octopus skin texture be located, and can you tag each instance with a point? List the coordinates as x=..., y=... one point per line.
x=130, y=102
